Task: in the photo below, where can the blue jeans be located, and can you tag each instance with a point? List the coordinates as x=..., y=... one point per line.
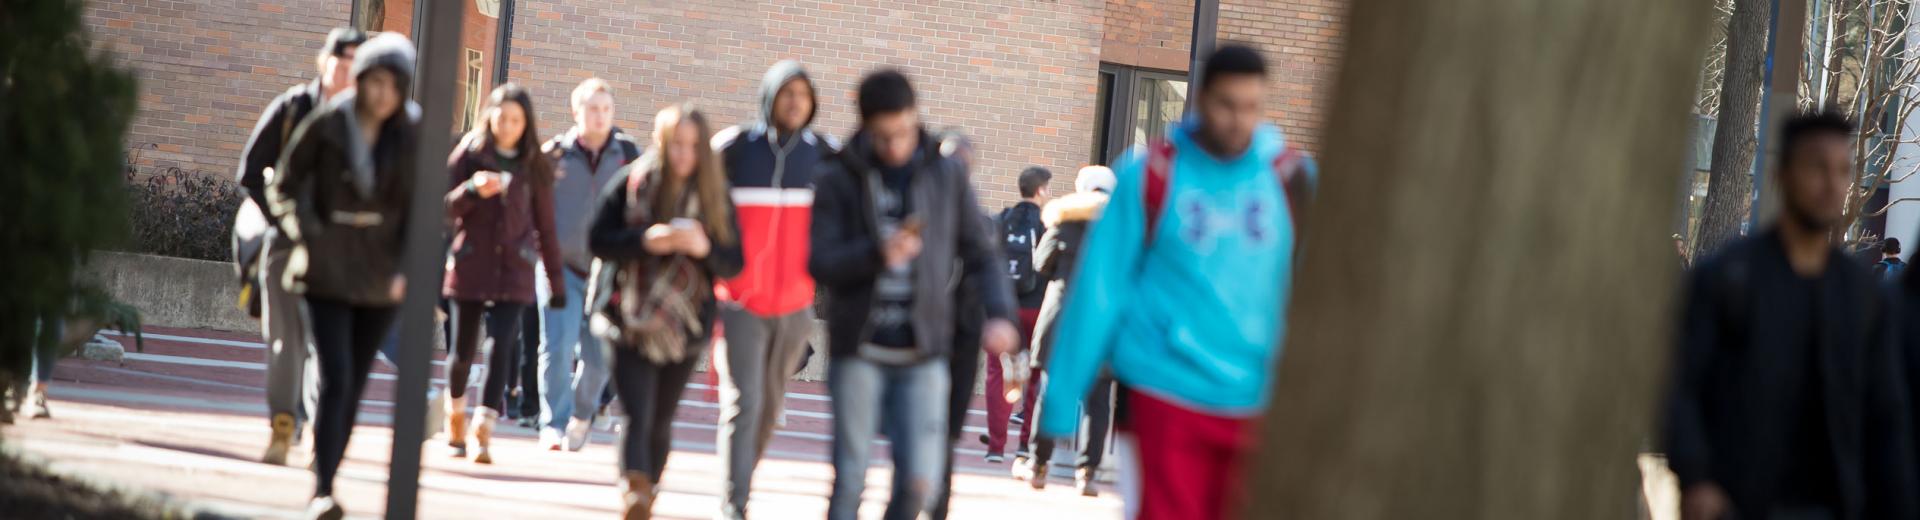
x=908, y=403
x=566, y=336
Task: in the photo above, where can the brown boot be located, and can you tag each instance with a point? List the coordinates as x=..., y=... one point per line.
x=637, y=490
x=282, y=440
x=457, y=426
x=483, y=419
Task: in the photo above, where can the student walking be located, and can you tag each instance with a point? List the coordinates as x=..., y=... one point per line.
x=501, y=207
x=1067, y=220
x=1890, y=266
x=586, y=158
x=664, y=232
x=1185, y=306
x=341, y=196
x=963, y=361
x=1788, y=398
x=768, y=309
x=292, y=376
x=1019, y=229
x=891, y=218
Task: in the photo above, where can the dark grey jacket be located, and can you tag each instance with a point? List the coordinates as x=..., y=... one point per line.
x=343, y=205
x=578, y=185
x=846, y=257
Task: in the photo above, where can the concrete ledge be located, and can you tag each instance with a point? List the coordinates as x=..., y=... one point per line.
x=200, y=294
x=174, y=292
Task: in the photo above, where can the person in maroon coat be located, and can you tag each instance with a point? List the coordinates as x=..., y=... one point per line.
x=501, y=212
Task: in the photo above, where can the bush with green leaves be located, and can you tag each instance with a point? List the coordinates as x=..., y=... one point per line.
x=64, y=111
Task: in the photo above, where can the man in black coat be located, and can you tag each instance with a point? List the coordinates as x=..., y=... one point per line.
x=1788, y=400
x=893, y=219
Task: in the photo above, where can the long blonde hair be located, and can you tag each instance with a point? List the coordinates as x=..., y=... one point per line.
x=709, y=176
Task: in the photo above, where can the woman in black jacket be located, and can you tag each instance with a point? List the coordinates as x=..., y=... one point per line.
x=342, y=195
x=664, y=232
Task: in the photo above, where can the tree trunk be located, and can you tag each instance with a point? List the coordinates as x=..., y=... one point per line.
x=1730, y=182
x=1842, y=64
x=1511, y=369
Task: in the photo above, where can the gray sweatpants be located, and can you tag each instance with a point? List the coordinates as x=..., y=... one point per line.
x=293, y=377
x=761, y=355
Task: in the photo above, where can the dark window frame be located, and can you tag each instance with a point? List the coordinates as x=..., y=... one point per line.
x=1118, y=107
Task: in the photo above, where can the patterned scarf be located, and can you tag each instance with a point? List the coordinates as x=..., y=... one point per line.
x=660, y=298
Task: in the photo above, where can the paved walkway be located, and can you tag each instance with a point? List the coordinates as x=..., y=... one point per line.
x=186, y=419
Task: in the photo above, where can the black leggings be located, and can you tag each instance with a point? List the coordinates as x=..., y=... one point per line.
x=503, y=325
x=528, y=361
x=345, y=339
x=650, y=394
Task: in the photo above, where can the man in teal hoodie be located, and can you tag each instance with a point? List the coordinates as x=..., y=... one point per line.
x=1181, y=291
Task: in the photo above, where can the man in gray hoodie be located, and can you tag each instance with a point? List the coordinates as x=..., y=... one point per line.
x=585, y=157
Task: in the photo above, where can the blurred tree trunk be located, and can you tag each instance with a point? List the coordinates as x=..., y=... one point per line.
x=1730, y=181
x=1511, y=369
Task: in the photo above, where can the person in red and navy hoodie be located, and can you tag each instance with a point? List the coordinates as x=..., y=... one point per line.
x=766, y=311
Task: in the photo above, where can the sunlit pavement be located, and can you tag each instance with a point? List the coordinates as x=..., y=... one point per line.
x=186, y=418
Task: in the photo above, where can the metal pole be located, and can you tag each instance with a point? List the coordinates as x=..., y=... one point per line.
x=1206, y=28
x=439, y=58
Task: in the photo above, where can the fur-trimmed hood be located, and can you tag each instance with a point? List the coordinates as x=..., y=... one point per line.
x=1078, y=207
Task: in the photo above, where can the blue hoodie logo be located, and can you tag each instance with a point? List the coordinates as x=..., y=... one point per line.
x=1203, y=221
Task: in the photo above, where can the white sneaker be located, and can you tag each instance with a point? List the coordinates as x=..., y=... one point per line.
x=550, y=438
x=577, y=432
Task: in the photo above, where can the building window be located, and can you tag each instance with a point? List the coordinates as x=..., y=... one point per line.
x=476, y=80
x=1136, y=106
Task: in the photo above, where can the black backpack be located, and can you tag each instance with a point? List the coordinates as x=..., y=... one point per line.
x=1019, y=232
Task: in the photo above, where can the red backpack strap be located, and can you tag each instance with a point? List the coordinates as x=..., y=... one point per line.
x=1289, y=168
x=1159, y=174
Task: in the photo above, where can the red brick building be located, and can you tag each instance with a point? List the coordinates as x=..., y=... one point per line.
x=1057, y=83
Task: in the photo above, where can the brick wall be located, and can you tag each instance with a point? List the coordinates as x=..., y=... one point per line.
x=1302, y=41
x=1018, y=75
x=1150, y=34
x=1300, y=38
x=207, y=67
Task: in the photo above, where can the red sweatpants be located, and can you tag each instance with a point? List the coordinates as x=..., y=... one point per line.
x=1190, y=462
x=999, y=411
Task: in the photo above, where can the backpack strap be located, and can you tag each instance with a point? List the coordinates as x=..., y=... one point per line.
x=1289, y=168
x=1159, y=175
x=627, y=147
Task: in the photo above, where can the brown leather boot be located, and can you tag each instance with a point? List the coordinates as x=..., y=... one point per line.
x=282, y=440
x=457, y=426
x=637, y=490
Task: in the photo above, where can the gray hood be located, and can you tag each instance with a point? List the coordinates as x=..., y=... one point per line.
x=778, y=76
x=389, y=50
